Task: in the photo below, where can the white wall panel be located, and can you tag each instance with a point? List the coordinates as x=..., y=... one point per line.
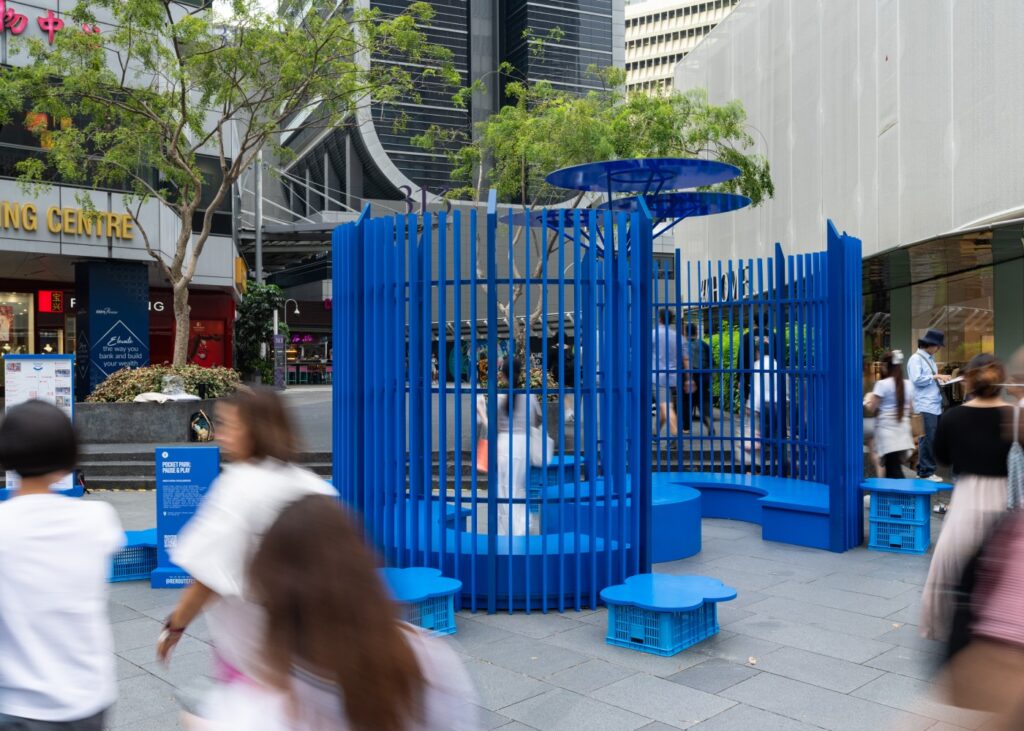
x=898, y=119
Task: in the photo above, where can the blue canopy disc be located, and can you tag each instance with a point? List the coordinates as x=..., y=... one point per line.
x=643, y=175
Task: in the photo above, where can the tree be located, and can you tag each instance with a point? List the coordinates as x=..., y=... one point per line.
x=545, y=129
x=254, y=328
x=165, y=82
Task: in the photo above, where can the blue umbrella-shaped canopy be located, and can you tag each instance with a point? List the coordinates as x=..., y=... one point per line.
x=643, y=175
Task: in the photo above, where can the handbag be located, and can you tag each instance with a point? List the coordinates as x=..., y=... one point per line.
x=481, y=455
x=201, y=427
x=917, y=425
x=542, y=447
x=1015, y=467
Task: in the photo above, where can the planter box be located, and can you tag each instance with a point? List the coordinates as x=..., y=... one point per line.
x=138, y=423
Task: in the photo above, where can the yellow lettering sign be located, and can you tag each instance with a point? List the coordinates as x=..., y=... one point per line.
x=70, y=218
x=12, y=215
x=69, y=221
x=53, y=220
x=28, y=217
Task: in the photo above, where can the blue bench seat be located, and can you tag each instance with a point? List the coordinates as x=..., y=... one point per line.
x=788, y=510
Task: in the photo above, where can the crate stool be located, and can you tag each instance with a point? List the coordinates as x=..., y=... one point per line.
x=663, y=614
x=137, y=559
x=900, y=517
x=427, y=597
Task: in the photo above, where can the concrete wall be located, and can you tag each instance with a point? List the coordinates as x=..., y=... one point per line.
x=898, y=119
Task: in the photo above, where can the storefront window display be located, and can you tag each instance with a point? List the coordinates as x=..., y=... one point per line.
x=17, y=324
x=961, y=306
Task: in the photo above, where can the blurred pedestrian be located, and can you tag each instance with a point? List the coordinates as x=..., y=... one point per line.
x=256, y=436
x=56, y=649
x=767, y=402
x=923, y=372
x=698, y=400
x=516, y=416
x=973, y=440
x=335, y=654
x=891, y=400
x=669, y=353
x=1016, y=375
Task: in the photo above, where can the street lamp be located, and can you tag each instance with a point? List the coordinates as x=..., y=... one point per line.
x=296, y=312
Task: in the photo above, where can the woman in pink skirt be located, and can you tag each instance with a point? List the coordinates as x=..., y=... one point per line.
x=974, y=441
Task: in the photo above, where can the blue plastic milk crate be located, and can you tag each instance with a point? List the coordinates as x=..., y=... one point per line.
x=137, y=559
x=900, y=536
x=660, y=633
x=896, y=506
x=435, y=615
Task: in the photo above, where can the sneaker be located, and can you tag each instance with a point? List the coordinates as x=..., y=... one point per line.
x=940, y=509
x=933, y=478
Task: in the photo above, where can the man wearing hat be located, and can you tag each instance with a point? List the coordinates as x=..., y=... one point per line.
x=924, y=374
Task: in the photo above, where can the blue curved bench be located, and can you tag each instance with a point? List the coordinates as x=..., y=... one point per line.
x=788, y=510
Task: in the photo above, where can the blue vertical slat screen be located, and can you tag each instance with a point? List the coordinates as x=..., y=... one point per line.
x=462, y=291
x=428, y=309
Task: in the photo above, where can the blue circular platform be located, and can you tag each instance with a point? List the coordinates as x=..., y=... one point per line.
x=643, y=175
x=681, y=204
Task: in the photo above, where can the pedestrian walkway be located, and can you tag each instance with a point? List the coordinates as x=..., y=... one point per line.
x=814, y=641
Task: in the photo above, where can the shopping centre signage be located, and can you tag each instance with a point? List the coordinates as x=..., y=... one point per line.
x=50, y=24
x=70, y=221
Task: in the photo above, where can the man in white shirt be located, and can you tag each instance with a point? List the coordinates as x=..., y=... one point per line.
x=669, y=351
x=56, y=649
x=767, y=399
x=923, y=372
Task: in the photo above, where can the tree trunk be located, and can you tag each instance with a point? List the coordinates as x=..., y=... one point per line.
x=181, y=324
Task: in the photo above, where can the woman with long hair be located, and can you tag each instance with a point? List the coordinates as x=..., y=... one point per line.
x=973, y=440
x=891, y=400
x=335, y=654
x=257, y=438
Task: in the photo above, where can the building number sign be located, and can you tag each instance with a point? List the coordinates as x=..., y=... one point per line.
x=15, y=23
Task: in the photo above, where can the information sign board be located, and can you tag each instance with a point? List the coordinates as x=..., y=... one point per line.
x=183, y=476
x=47, y=378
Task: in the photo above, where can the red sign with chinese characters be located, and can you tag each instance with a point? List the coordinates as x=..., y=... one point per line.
x=51, y=300
x=15, y=23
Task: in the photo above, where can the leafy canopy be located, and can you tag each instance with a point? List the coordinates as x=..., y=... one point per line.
x=545, y=129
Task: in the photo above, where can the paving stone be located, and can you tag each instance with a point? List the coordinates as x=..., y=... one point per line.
x=815, y=639
x=726, y=532
x=472, y=634
x=662, y=700
x=170, y=721
x=840, y=599
x=736, y=648
x=819, y=707
x=498, y=687
x=748, y=718
x=516, y=726
x=658, y=726
x=851, y=623
x=821, y=670
x=727, y=614
x=490, y=720
x=536, y=624
x=135, y=633
x=907, y=661
x=885, y=588
x=598, y=617
x=910, y=614
x=714, y=675
x=529, y=657
x=183, y=670
x=737, y=578
x=588, y=676
x=909, y=635
x=919, y=697
x=760, y=565
x=140, y=698
x=126, y=669
x=147, y=653
x=117, y=612
x=589, y=640
x=563, y=710
x=139, y=596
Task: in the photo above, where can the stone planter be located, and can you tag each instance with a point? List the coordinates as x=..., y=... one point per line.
x=138, y=423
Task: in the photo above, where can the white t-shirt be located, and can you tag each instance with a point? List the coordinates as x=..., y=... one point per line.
x=56, y=648
x=317, y=706
x=216, y=545
x=766, y=385
x=885, y=389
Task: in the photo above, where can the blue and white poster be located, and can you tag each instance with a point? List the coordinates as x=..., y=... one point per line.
x=112, y=319
x=183, y=476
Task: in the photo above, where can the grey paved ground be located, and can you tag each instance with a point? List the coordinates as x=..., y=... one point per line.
x=814, y=640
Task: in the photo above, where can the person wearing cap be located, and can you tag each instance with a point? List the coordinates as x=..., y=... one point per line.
x=56, y=648
x=924, y=375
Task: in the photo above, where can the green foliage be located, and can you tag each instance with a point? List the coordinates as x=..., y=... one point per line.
x=165, y=83
x=726, y=388
x=127, y=383
x=253, y=329
x=545, y=129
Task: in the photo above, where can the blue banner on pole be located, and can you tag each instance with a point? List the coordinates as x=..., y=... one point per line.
x=112, y=320
x=183, y=475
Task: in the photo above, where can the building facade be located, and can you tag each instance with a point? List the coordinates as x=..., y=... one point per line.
x=659, y=33
x=43, y=236
x=897, y=121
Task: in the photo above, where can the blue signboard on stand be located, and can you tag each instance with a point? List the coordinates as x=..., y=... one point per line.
x=112, y=320
x=183, y=475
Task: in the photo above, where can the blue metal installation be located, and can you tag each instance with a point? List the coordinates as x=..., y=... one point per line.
x=410, y=290
x=494, y=384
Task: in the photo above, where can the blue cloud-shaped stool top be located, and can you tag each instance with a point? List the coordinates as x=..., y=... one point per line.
x=665, y=592
x=418, y=584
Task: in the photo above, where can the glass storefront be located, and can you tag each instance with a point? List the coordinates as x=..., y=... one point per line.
x=960, y=306
x=17, y=323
